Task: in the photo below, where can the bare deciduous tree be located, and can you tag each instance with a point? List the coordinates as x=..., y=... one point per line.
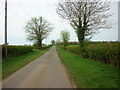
x=85, y=16
x=53, y=42
x=37, y=29
x=65, y=36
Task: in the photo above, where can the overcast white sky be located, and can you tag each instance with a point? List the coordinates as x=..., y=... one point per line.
x=20, y=11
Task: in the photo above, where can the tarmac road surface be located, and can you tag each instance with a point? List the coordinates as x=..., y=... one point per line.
x=45, y=72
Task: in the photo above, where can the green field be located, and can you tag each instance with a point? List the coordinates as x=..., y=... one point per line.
x=12, y=64
x=87, y=73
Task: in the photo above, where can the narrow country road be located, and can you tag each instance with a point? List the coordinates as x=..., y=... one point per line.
x=44, y=72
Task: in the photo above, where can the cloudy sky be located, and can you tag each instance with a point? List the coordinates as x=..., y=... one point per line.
x=20, y=11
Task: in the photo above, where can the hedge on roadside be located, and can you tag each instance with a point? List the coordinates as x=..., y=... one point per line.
x=43, y=47
x=74, y=49
x=16, y=50
x=107, y=52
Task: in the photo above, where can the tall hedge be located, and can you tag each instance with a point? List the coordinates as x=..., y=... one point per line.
x=107, y=52
x=74, y=49
x=16, y=50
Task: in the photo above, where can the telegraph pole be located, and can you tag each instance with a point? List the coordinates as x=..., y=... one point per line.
x=6, y=28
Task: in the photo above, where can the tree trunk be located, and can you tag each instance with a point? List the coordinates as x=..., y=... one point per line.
x=81, y=39
x=40, y=43
x=64, y=43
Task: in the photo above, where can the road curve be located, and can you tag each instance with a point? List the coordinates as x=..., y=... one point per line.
x=45, y=72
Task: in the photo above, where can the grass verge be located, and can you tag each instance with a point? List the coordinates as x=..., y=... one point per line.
x=12, y=64
x=87, y=73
